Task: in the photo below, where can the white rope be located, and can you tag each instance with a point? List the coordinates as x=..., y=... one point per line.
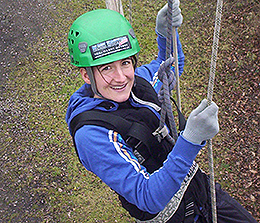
x=209, y=97
x=178, y=93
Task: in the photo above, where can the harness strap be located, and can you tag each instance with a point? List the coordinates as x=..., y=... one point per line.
x=170, y=209
x=182, y=120
x=133, y=133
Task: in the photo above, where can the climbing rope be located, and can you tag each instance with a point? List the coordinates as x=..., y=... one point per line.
x=166, y=105
x=115, y=5
x=175, y=49
x=209, y=97
x=166, y=76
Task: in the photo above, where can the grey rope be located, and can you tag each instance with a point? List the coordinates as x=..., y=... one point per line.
x=167, y=76
x=209, y=97
x=166, y=105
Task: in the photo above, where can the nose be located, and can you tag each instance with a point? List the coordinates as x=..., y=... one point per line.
x=119, y=74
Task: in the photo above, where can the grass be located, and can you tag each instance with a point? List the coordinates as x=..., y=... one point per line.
x=42, y=180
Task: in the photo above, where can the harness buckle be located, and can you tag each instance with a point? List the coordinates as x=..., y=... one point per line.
x=136, y=145
x=160, y=133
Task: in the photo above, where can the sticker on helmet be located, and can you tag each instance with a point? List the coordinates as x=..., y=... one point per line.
x=109, y=47
x=83, y=47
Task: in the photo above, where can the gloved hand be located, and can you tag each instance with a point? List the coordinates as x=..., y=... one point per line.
x=161, y=19
x=202, y=123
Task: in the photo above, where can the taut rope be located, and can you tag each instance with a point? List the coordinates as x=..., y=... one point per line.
x=209, y=97
x=115, y=5
x=178, y=93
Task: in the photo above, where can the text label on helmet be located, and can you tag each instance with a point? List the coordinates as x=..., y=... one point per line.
x=109, y=47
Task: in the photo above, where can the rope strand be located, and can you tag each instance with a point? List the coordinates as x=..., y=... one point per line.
x=178, y=93
x=209, y=97
x=166, y=105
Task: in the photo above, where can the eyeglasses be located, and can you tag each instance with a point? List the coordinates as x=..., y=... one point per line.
x=110, y=71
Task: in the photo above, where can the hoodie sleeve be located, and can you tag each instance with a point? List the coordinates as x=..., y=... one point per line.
x=105, y=153
x=149, y=71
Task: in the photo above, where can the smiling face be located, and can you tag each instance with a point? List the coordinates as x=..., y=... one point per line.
x=114, y=81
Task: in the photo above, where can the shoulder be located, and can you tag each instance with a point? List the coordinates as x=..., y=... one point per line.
x=144, y=90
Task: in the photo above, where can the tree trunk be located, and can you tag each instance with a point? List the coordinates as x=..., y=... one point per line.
x=115, y=5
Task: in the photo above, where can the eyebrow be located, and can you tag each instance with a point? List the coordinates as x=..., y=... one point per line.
x=98, y=66
x=102, y=65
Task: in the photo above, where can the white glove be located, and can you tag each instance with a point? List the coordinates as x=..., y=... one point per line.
x=202, y=123
x=161, y=19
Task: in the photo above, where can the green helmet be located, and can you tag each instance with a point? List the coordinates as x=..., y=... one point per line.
x=99, y=37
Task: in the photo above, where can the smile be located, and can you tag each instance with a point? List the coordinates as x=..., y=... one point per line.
x=118, y=87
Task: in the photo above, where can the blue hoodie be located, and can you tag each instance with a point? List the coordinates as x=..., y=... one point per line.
x=104, y=152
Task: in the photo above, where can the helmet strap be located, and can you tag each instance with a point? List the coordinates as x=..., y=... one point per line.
x=92, y=81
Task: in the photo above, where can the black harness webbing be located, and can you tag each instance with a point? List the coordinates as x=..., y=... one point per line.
x=133, y=133
x=140, y=138
x=182, y=120
x=97, y=117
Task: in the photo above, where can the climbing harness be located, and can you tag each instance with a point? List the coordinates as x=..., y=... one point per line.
x=184, y=205
x=145, y=145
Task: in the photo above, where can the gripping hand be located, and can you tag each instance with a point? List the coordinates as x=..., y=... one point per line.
x=202, y=123
x=161, y=19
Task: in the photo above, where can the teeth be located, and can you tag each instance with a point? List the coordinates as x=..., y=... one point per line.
x=118, y=87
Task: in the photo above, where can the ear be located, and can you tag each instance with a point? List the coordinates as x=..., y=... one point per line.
x=84, y=75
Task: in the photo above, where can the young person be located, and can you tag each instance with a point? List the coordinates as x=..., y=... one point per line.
x=156, y=181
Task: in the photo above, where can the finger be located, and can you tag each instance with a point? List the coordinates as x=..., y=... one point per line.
x=176, y=4
x=201, y=107
x=176, y=15
x=177, y=21
x=164, y=9
x=175, y=11
x=211, y=110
